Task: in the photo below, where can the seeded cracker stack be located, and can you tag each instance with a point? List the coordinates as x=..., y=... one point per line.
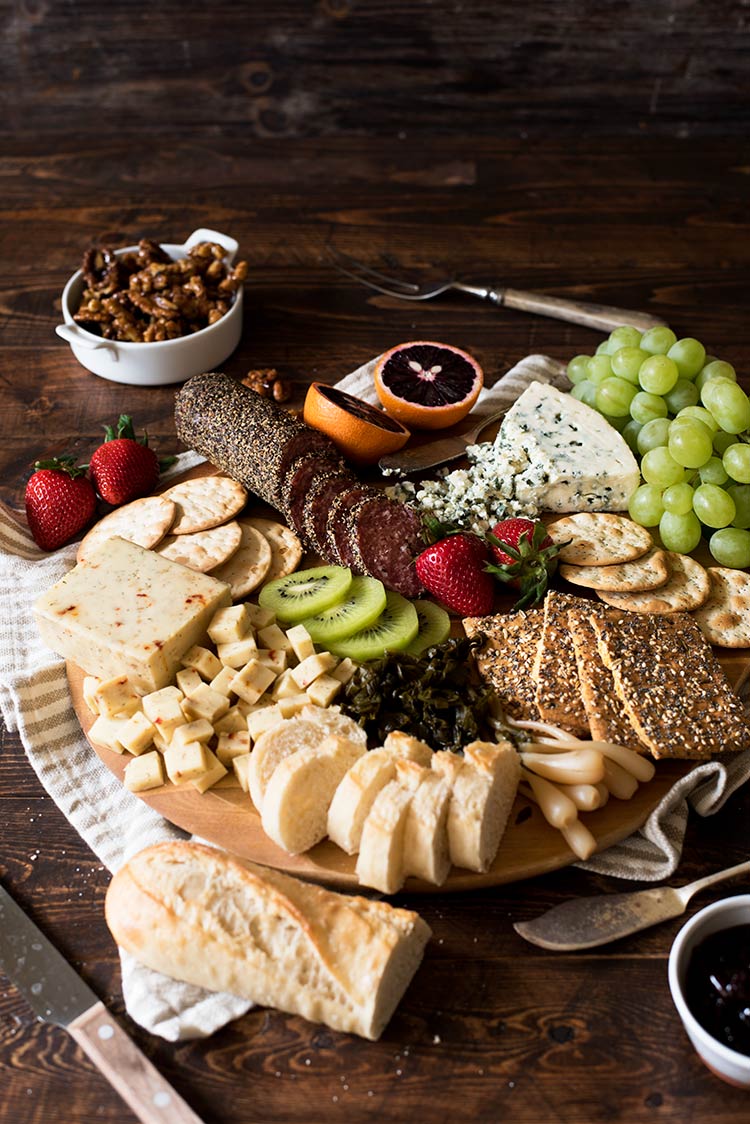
x=647, y=681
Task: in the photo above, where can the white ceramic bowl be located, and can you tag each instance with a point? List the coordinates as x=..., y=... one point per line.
x=164, y=361
x=725, y=1063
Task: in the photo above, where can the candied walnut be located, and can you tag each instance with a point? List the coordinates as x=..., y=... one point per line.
x=155, y=298
x=266, y=382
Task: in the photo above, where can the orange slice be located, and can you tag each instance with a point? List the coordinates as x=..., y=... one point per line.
x=428, y=385
x=362, y=432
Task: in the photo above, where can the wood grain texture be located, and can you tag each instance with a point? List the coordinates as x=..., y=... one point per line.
x=589, y=151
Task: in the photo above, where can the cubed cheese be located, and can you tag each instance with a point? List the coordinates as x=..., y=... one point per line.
x=205, y=703
x=323, y=690
x=308, y=671
x=240, y=765
x=301, y=641
x=188, y=679
x=128, y=611
x=137, y=734
x=237, y=652
x=116, y=696
x=230, y=624
x=232, y=745
x=185, y=762
x=252, y=680
x=202, y=660
x=213, y=773
x=144, y=772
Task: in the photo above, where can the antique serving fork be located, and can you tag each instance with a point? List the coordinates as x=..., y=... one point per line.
x=601, y=316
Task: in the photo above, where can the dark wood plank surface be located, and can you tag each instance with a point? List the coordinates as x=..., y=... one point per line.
x=589, y=150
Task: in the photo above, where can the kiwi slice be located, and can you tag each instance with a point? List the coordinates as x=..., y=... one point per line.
x=396, y=627
x=362, y=605
x=434, y=627
x=305, y=592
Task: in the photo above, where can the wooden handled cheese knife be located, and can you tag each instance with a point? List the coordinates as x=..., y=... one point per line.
x=589, y=922
x=58, y=995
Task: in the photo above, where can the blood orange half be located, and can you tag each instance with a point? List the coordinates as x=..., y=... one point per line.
x=362, y=432
x=428, y=385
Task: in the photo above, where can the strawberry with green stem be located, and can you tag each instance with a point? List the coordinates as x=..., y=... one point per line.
x=124, y=468
x=525, y=557
x=60, y=501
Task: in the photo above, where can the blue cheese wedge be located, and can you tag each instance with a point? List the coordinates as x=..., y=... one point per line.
x=127, y=611
x=552, y=453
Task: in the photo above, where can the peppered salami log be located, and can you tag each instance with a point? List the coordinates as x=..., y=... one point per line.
x=298, y=470
x=249, y=437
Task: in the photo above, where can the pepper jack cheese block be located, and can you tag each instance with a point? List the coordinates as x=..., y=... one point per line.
x=127, y=611
x=566, y=456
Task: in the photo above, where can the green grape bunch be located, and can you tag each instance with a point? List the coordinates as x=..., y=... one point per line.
x=687, y=421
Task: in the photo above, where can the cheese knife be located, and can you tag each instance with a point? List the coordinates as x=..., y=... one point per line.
x=440, y=451
x=589, y=922
x=57, y=994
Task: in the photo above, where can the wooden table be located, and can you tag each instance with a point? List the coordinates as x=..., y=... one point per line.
x=598, y=156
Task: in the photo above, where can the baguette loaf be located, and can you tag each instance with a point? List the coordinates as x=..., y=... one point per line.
x=196, y=914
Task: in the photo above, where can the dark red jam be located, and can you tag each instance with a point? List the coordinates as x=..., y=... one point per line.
x=717, y=986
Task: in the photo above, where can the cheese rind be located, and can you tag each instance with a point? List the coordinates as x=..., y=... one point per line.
x=127, y=611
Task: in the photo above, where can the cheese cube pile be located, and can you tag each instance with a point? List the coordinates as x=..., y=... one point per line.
x=193, y=731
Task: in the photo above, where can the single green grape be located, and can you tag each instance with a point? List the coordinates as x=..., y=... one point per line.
x=602, y=348
x=653, y=434
x=585, y=392
x=626, y=336
x=678, y=498
x=627, y=362
x=740, y=493
x=690, y=442
x=645, y=407
x=630, y=434
x=689, y=355
x=613, y=397
x=657, y=341
x=713, y=505
x=716, y=369
x=645, y=506
x=702, y=414
x=728, y=403
x=723, y=440
x=731, y=547
x=578, y=368
x=600, y=368
x=658, y=374
x=659, y=467
x=680, y=533
x=713, y=472
x=736, y=461
x=683, y=394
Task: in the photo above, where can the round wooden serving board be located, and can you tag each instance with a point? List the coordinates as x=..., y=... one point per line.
x=226, y=817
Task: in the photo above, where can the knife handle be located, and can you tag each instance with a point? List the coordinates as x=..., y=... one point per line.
x=115, y=1054
x=601, y=316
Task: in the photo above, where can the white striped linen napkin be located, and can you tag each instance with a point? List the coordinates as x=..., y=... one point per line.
x=653, y=852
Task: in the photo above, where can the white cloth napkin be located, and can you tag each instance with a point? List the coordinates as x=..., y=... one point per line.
x=35, y=700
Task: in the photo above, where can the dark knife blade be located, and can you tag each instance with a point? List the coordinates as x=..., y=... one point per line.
x=53, y=990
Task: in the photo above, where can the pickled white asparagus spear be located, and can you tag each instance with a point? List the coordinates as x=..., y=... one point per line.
x=579, y=766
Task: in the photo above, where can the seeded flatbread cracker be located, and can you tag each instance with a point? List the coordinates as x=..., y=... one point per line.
x=203, y=550
x=555, y=673
x=607, y=719
x=144, y=522
x=724, y=618
x=249, y=566
x=599, y=538
x=687, y=588
x=648, y=572
x=671, y=685
x=286, y=548
x=205, y=502
x=507, y=658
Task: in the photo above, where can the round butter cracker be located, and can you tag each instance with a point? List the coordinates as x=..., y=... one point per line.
x=599, y=538
x=248, y=567
x=286, y=548
x=686, y=589
x=205, y=502
x=203, y=550
x=648, y=572
x=144, y=522
x=724, y=618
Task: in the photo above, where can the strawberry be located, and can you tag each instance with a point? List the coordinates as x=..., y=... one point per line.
x=526, y=557
x=453, y=570
x=124, y=467
x=60, y=501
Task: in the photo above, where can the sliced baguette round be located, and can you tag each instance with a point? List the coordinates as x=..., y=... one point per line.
x=196, y=914
x=483, y=787
x=426, y=850
x=380, y=862
x=296, y=802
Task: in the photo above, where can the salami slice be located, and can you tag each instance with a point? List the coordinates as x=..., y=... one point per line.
x=387, y=539
x=304, y=471
x=339, y=533
x=323, y=490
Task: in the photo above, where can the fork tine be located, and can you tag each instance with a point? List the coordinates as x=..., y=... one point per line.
x=338, y=257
